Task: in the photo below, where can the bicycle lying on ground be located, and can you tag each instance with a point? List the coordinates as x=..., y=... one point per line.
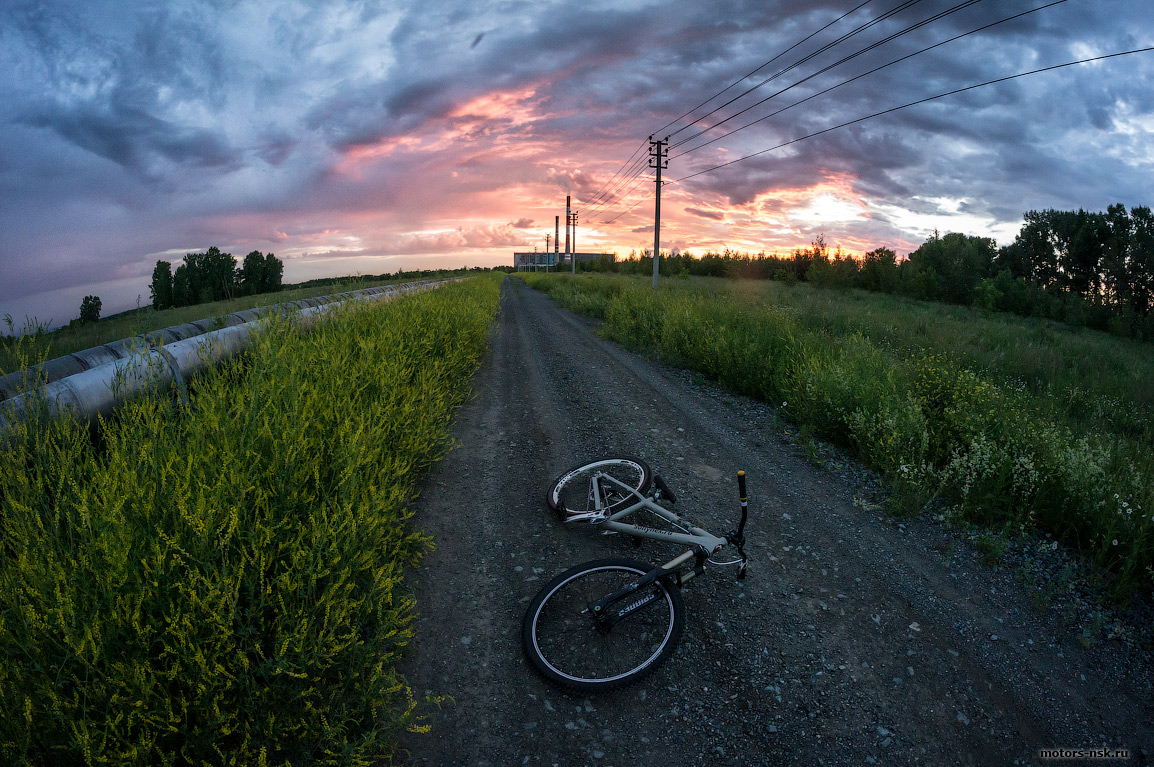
x=611, y=622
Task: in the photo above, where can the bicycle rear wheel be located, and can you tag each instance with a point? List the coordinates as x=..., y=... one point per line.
x=567, y=646
x=573, y=490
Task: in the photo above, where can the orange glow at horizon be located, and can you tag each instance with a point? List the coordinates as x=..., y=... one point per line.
x=480, y=136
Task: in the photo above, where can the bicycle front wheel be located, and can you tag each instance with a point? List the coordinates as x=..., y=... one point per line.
x=573, y=490
x=565, y=643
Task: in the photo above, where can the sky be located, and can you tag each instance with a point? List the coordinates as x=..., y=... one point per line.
x=362, y=137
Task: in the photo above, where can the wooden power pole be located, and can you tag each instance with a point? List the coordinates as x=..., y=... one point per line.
x=658, y=160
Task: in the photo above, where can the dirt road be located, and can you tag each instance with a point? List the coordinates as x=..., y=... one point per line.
x=855, y=639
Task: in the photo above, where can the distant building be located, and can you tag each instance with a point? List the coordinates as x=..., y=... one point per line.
x=531, y=262
x=540, y=261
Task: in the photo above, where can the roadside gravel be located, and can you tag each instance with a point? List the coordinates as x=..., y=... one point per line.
x=857, y=638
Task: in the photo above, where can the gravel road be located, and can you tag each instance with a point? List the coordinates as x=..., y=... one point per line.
x=856, y=639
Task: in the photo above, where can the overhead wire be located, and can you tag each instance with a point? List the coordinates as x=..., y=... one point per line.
x=937, y=17
x=741, y=79
x=805, y=59
x=626, y=193
x=619, y=185
x=599, y=192
x=623, y=188
x=613, y=192
x=631, y=207
x=615, y=188
x=858, y=77
x=915, y=103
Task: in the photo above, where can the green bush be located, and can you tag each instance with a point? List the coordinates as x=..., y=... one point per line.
x=219, y=583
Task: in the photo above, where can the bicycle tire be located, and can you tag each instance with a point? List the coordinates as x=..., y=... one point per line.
x=572, y=490
x=566, y=646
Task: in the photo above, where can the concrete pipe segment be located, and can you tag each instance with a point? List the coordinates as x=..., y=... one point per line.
x=92, y=382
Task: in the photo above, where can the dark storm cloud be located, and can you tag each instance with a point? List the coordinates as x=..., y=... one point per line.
x=134, y=139
x=134, y=130
x=713, y=215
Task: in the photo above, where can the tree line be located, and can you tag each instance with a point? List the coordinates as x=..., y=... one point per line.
x=214, y=276
x=1087, y=269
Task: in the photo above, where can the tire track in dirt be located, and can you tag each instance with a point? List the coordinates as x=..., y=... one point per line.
x=853, y=641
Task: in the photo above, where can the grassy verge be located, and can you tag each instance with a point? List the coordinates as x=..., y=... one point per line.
x=219, y=582
x=19, y=352
x=997, y=441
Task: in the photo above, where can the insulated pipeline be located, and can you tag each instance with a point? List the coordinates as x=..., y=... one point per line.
x=131, y=367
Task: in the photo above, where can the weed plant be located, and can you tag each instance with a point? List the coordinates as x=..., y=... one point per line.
x=79, y=336
x=220, y=582
x=946, y=404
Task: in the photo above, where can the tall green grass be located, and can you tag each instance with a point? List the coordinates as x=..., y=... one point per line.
x=220, y=582
x=27, y=346
x=947, y=405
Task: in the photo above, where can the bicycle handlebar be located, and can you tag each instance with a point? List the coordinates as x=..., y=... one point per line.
x=744, y=504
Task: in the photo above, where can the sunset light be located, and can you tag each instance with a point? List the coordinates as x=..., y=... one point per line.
x=365, y=141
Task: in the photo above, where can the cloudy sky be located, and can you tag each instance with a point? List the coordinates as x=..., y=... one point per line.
x=362, y=137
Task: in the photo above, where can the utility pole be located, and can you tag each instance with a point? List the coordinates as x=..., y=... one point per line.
x=568, y=220
x=658, y=160
x=574, y=217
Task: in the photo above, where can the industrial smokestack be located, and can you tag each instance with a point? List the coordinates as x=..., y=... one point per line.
x=557, y=234
x=568, y=218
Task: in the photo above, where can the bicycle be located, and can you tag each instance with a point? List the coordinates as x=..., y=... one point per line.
x=611, y=622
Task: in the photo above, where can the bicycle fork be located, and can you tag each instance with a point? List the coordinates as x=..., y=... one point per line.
x=606, y=617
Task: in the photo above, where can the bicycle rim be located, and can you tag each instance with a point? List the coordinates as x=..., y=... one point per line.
x=570, y=648
x=574, y=490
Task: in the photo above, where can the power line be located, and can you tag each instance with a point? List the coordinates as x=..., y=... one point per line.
x=915, y=103
x=863, y=74
x=606, y=184
x=616, y=188
x=629, y=191
x=888, y=14
x=660, y=130
x=614, y=193
x=634, y=205
x=879, y=43
x=611, y=190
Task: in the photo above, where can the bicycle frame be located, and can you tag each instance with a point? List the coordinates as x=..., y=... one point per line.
x=697, y=537
x=575, y=658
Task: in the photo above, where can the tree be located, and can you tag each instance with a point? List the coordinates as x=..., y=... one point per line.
x=1080, y=237
x=949, y=268
x=252, y=273
x=202, y=277
x=273, y=273
x=879, y=271
x=90, y=309
x=182, y=288
x=161, y=287
x=260, y=273
x=1116, y=256
x=1140, y=266
x=219, y=275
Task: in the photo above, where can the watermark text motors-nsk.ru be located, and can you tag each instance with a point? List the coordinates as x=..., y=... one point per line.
x=1084, y=753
